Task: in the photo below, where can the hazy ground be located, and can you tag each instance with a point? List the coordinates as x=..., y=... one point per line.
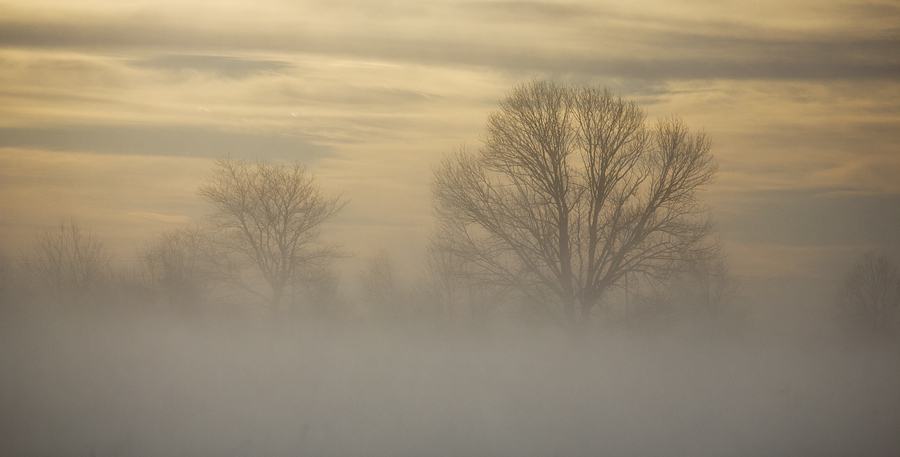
x=120, y=386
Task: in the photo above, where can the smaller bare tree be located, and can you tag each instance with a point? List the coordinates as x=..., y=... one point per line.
x=382, y=287
x=319, y=292
x=69, y=262
x=269, y=219
x=711, y=287
x=454, y=288
x=436, y=285
x=870, y=294
x=9, y=280
x=177, y=266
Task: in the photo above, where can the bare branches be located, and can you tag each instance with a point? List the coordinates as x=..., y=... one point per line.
x=270, y=216
x=571, y=192
x=69, y=261
x=870, y=295
x=178, y=264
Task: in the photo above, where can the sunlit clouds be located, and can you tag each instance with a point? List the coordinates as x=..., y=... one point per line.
x=113, y=111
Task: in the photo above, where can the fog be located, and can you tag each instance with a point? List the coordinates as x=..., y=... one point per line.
x=129, y=383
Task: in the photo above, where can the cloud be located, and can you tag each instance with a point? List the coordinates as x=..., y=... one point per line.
x=223, y=66
x=824, y=217
x=518, y=36
x=813, y=233
x=178, y=141
x=536, y=11
x=162, y=217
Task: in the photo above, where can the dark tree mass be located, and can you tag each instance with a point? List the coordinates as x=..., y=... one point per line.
x=572, y=191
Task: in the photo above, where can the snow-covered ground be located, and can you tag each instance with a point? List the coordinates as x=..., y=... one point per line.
x=120, y=386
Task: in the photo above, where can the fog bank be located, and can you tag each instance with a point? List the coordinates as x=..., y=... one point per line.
x=125, y=385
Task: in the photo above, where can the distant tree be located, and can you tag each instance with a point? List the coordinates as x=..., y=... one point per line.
x=177, y=265
x=8, y=280
x=453, y=288
x=571, y=192
x=382, y=286
x=702, y=292
x=268, y=219
x=710, y=286
x=320, y=292
x=442, y=283
x=870, y=294
x=69, y=262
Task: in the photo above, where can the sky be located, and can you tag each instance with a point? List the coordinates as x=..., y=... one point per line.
x=114, y=111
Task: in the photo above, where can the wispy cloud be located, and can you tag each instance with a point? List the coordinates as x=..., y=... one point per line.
x=165, y=140
x=225, y=66
x=519, y=36
x=169, y=219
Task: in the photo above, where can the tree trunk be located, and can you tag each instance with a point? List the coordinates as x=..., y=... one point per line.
x=588, y=300
x=569, y=308
x=277, y=294
x=585, y=317
x=565, y=266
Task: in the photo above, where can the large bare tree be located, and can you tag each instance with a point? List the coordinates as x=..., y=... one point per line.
x=571, y=192
x=269, y=218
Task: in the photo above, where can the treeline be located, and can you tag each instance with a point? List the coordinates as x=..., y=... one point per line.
x=261, y=251
x=577, y=208
x=190, y=271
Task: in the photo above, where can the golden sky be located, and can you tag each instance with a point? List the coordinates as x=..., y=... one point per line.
x=112, y=111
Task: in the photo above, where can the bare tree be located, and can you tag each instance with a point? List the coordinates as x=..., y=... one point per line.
x=177, y=264
x=870, y=294
x=9, y=280
x=571, y=192
x=382, y=286
x=707, y=286
x=69, y=262
x=269, y=217
x=320, y=292
x=454, y=288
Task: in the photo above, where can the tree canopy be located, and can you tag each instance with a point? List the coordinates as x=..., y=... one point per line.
x=572, y=191
x=269, y=217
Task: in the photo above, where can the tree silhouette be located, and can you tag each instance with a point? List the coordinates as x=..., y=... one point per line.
x=571, y=192
x=177, y=265
x=870, y=294
x=382, y=286
x=269, y=220
x=69, y=262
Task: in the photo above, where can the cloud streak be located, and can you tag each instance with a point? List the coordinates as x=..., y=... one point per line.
x=509, y=36
x=177, y=141
x=223, y=66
